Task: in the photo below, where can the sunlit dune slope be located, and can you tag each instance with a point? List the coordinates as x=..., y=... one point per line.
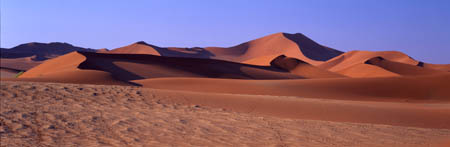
x=417, y=88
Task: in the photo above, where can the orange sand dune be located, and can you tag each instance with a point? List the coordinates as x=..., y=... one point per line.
x=257, y=52
x=441, y=67
x=401, y=68
x=64, y=69
x=144, y=48
x=126, y=67
x=292, y=45
x=352, y=58
x=302, y=68
x=136, y=48
x=418, y=88
x=62, y=63
x=366, y=70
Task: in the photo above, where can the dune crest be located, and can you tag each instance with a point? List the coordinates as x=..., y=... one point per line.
x=401, y=68
x=292, y=45
x=301, y=68
x=257, y=52
x=127, y=67
x=352, y=58
x=136, y=48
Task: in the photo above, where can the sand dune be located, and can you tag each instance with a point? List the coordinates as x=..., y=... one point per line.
x=363, y=70
x=281, y=90
x=420, y=88
x=257, y=52
x=66, y=62
x=141, y=69
x=142, y=47
x=137, y=48
x=357, y=64
x=29, y=55
x=441, y=67
x=126, y=67
x=352, y=58
x=292, y=45
x=401, y=68
x=65, y=69
x=302, y=68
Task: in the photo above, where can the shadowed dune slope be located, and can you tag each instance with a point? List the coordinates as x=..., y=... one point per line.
x=429, y=88
x=126, y=67
x=75, y=76
x=8, y=72
x=401, y=68
x=133, y=66
x=312, y=49
x=64, y=69
x=302, y=68
x=22, y=64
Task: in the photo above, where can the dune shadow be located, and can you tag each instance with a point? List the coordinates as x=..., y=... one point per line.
x=311, y=49
x=150, y=66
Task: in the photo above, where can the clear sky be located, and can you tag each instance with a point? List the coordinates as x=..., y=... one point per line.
x=419, y=28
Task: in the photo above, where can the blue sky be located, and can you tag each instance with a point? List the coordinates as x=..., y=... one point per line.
x=419, y=28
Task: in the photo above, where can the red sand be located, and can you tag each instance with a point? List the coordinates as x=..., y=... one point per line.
x=280, y=75
x=418, y=88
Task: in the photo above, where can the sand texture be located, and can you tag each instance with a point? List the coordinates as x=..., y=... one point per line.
x=42, y=114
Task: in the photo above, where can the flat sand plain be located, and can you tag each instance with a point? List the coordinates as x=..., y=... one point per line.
x=56, y=114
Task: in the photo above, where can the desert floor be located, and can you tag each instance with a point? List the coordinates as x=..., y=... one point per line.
x=41, y=114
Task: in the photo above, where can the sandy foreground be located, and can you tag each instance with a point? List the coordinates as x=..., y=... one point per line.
x=41, y=114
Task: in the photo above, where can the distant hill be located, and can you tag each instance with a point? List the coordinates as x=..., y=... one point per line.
x=41, y=51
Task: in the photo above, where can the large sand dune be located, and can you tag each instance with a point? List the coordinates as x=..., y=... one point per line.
x=261, y=50
x=351, y=58
x=126, y=67
x=366, y=64
x=402, y=68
